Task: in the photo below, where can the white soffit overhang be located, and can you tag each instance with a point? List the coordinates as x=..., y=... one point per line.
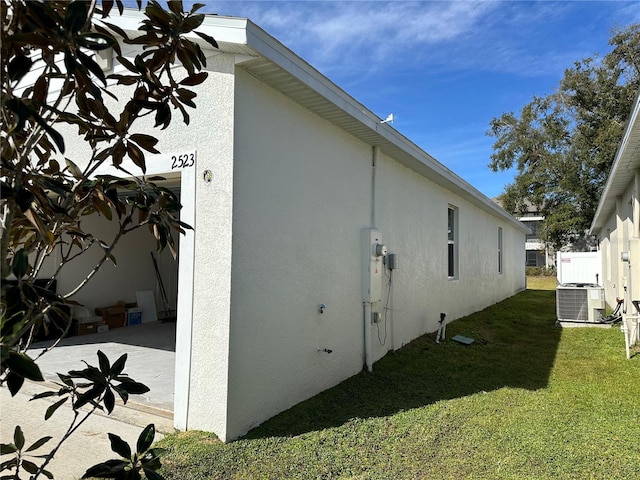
x=627, y=162
x=266, y=58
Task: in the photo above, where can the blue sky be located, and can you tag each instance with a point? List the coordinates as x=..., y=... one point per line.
x=444, y=69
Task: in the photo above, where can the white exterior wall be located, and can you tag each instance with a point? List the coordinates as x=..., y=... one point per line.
x=202, y=348
x=621, y=234
x=413, y=221
x=278, y=232
x=302, y=196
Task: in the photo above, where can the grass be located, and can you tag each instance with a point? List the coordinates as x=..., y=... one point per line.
x=528, y=400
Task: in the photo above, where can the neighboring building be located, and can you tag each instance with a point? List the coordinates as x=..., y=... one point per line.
x=291, y=185
x=537, y=253
x=617, y=220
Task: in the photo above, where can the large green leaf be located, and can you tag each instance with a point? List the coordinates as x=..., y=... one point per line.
x=76, y=16
x=38, y=443
x=105, y=365
x=108, y=469
x=145, y=141
x=7, y=448
x=95, y=41
x=132, y=387
x=118, y=366
x=29, y=466
x=18, y=437
x=18, y=67
x=53, y=134
x=20, y=264
x=89, y=396
x=52, y=409
x=109, y=400
x=23, y=365
x=14, y=383
x=145, y=440
x=209, y=39
x=119, y=446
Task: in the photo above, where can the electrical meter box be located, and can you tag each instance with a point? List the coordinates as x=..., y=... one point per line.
x=373, y=253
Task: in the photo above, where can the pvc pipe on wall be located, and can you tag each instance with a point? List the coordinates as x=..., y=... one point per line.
x=374, y=164
x=367, y=336
x=367, y=305
x=636, y=204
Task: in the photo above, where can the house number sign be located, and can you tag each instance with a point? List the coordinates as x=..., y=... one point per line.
x=186, y=160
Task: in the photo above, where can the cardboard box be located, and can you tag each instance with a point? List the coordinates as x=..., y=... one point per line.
x=134, y=316
x=89, y=325
x=114, y=316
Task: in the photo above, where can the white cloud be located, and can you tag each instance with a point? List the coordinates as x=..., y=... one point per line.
x=359, y=38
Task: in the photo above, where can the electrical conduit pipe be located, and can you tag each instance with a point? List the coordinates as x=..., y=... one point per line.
x=367, y=303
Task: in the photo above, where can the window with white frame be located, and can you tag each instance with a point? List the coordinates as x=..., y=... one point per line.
x=452, y=243
x=499, y=249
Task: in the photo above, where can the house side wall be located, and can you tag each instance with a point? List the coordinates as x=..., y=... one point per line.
x=302, y=197
x=413, y=219
x=620, y=234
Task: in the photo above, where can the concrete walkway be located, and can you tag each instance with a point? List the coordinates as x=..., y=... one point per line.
x=151, y=358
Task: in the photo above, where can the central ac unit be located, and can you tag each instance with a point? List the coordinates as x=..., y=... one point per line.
x=579, y=302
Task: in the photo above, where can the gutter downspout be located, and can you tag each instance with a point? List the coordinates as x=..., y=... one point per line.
x=367, y=303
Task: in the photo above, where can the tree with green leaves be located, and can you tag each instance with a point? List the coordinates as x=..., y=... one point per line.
x=50, y=79
x=563, y=144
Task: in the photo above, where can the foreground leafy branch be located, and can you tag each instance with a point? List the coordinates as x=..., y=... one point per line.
x=85, y=391
x=52, y=84
x=46, y=196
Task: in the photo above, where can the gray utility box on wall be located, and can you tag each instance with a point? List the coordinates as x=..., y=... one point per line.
x=579, y=302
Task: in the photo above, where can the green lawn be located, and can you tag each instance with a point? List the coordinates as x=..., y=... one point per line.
x=527, y=400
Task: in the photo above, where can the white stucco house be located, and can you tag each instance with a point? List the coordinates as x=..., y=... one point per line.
x=315, y=226
x=617, y=221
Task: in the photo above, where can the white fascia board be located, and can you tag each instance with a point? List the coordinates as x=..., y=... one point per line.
x=231, y=30
x=628, y=146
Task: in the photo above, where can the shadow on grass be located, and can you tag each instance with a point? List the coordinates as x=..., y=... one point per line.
x=516, y=344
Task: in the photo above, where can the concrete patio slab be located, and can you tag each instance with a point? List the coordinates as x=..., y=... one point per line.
x=150, y=350
x=151, y=358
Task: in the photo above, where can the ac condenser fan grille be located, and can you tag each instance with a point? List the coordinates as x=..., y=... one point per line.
x=572, y=305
